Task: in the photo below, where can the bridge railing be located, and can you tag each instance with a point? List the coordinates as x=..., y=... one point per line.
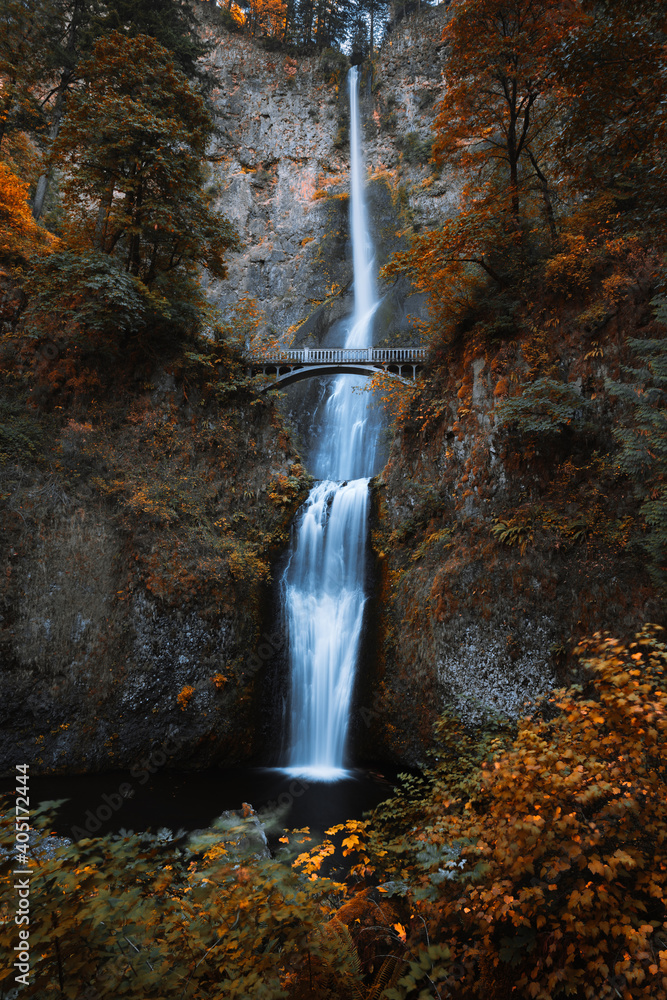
x=340, y=355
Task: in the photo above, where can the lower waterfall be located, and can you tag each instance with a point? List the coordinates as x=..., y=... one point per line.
x=323, y=586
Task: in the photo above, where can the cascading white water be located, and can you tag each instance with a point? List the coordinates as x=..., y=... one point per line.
x=323, y=584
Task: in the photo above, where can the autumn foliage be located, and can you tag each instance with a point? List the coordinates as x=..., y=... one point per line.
x=528, y=863
x=21, y=238
x=545, y=101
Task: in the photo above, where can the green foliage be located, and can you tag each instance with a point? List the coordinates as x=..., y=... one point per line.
x=509, y=532
x=544, y=407
x=24, y=44
x=612, y=69
x=333, y=65
x=21, y=435
x=133, y=141
x=643, y=453
x=143, y=916
x=80, y=293
x=342, y=137
x=229, y=22
x=415, y=149
x=561, y=529
x=170, y=22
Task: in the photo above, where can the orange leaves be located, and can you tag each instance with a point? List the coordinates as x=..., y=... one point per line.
x=310, y=862
x=598, y=868
x=400, y=932
x=184, y=696
x=570, y=827
x=20, y=236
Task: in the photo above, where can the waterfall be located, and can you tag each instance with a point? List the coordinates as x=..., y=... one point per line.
x=323, y=585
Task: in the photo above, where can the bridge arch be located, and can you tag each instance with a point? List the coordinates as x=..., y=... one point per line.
x=286, y=378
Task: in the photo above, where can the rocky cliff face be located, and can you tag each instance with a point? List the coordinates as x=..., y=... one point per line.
x=137, y=550
x=282, y=161
x=503, y=542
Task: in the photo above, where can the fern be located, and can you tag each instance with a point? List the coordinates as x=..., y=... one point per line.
x=544, y=407
x=643, y=454
x=385, y=978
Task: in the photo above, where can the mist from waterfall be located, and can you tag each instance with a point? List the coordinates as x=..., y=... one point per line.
x=323, y=586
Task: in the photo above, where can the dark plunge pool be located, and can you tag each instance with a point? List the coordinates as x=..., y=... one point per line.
x=107, y=803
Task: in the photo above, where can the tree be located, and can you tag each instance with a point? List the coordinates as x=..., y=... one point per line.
x=495, y=117
x=359, y=46
x=494, y=126
x=318, y=23
x=613, y=134
x=133, y=146
x=374, y=11
x=265, y=17
x=71, y=36
x=24, y=34
x=78, y=24
x=169, y=22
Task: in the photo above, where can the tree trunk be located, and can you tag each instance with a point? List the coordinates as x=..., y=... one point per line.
x=66, y=78
x=135, y=240
x=288, y=19
x=58, y=115
x=546, y=197
x=321, y=18
x=103, y=217
x=514, y=189
x=309, y=23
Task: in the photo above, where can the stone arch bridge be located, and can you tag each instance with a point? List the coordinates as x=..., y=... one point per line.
x=294, y=364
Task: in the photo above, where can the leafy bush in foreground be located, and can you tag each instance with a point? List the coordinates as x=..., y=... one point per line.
x=528, y=863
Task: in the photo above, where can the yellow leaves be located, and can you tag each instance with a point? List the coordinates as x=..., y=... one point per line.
x=350, y=844
x=310, y=862
x=400, y=931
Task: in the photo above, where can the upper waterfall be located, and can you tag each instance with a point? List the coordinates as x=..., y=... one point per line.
x=362, y=247
x=349, y=435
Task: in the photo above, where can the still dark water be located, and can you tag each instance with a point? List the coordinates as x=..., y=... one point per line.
x=106, y=803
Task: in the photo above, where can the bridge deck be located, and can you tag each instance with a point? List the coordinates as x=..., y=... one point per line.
x=340, y=355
